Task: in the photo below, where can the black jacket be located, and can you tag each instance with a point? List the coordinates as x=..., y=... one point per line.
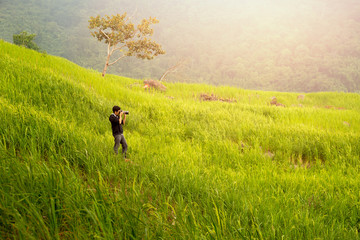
x=116, y=127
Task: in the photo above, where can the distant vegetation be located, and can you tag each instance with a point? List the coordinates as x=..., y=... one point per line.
x=301, y=46
x=25, y=39
x=207, y=162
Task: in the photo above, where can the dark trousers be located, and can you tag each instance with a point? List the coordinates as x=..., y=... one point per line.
x=120, y=139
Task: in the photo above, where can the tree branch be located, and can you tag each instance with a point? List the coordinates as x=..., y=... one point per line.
x=172, y=69
x=104, y=34
x=118, y=48
x=117, y=60
x=108, y=40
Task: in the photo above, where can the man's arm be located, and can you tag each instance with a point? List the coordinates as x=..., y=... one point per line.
x=124, y=119
x=120, y=117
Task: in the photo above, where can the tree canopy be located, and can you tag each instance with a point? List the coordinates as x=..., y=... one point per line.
x=121, y=36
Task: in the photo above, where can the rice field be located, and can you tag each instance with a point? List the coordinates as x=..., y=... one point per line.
x=239, y=169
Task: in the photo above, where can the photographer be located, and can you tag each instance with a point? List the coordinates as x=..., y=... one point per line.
x=117, y=119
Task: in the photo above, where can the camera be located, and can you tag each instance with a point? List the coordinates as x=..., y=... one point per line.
x=125, y=112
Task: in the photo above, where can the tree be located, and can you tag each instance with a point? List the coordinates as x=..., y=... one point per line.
x=122, y=37
x=25, y=39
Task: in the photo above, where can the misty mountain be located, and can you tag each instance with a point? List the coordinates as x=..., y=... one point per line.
x=310, y=45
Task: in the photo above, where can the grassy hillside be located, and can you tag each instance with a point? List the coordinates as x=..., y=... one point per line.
x=200, y=169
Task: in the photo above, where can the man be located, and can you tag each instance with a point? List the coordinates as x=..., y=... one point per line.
x=117, y=119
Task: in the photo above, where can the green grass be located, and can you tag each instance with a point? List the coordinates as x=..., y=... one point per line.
x=200, y=170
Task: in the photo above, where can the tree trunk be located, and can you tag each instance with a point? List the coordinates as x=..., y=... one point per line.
x=106, y=65
x=104, y=71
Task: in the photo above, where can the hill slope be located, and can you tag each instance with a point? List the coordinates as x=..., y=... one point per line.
x=200, y=169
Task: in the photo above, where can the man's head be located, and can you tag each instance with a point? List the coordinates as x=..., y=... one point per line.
x=116, y=110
